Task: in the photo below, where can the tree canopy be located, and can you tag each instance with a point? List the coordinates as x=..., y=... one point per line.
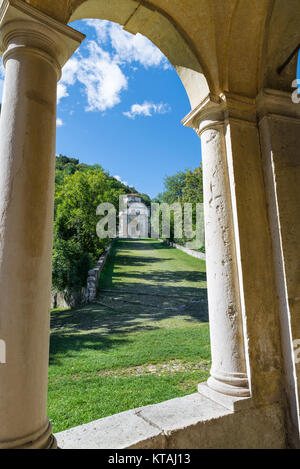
x=79, y=189
x=183, y=187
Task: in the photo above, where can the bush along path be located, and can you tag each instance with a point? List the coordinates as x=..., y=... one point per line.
x=143, y=341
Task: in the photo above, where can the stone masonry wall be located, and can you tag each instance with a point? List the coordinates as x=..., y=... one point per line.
x=86, y=294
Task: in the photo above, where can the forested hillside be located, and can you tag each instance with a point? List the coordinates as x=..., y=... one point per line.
x=79, y=189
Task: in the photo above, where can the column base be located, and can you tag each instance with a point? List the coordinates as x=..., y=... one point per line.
x=231, y=384
x=43, y=439
x=233, y=403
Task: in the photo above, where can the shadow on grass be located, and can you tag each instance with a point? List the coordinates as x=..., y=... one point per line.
x=146, y=271
x=131, y=304
x=141, y=244
x=161, y=278
x=117, y=312
x=70, y=344
x=137, y=261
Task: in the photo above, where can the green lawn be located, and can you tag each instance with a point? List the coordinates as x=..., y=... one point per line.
x=145, y=340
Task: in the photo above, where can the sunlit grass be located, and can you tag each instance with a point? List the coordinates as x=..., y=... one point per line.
x=145, y=340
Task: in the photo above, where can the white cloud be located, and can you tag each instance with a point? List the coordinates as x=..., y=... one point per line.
x=118, y=178
x=101, y=28
x=62, y=92
x=102, y=77
x=100, y=72
x=135, y=48
x=129, y=47
x=68, y=78
x=59, y=122
x=147, y=109
x=69, y=71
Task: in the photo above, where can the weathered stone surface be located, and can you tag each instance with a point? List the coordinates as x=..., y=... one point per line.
x=230, y=402
x=34, y=49
x=182, y=412
x=191, y=422
x=117, y=431
x=280, y=140
x=237, y=46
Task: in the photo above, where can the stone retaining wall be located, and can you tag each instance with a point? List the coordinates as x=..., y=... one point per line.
x=190, y=252
x=94, y=275
x=86, y=294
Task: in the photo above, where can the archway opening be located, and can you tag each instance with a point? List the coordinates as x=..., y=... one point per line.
x=159, y=344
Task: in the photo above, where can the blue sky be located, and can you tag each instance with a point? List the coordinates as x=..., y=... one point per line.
x=121, y=105
x=298, y=71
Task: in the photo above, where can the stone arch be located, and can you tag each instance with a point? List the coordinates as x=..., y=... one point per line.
x=281, y=46
x=234, y=49
x=163, y=31
x=237, y=46
x=201, y=83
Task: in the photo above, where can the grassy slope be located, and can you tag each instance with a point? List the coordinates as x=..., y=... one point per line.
x=145, y=340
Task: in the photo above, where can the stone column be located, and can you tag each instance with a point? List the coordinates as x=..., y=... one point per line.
x=34, y=48
x=228, y=372
x=243, y=301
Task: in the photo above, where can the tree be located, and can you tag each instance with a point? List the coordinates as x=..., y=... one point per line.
x=193, y=188
x=79, y=189
x=183, y=187
x=70, y=265
x=174, y=187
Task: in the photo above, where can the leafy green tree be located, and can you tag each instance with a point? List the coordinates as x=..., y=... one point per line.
x=193, y=187
x=174, y=187
x=193, y=193
x=79, y=189
x=183, y=187
x=70, y=265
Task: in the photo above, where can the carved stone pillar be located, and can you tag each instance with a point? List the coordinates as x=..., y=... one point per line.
x=228, y=372
x=34, y=48
x=243, y=301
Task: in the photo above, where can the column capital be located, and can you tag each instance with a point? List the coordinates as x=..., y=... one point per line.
x=277, y=104
x=24, y=29
x=217, y=110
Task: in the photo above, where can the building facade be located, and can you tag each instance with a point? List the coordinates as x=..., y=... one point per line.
x=134, y=220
